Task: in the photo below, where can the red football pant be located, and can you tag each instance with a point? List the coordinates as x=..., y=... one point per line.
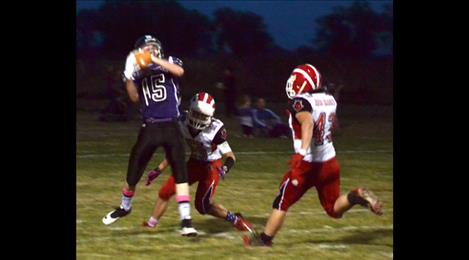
x=325, y=176
x=204, y=173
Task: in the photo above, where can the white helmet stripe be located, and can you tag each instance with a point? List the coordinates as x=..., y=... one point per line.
x=318, y=76
x=307, y=77
x=302, y=87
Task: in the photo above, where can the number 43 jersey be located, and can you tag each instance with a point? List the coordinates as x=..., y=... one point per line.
x=322, y=106
x=158, y=91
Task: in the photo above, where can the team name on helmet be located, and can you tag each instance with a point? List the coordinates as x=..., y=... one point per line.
x=201, y=110
x=304, y=79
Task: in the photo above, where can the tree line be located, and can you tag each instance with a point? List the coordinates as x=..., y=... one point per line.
x=356, y=31
x=353, y=46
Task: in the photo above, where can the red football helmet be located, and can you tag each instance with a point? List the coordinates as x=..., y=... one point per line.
x=304, y=79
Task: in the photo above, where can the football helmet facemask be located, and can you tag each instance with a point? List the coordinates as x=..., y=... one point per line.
x=201, y=110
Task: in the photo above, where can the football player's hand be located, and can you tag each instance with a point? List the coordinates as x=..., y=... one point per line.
x=295, y=160
x=136, y=61
x=221, y=172
x=152, y=175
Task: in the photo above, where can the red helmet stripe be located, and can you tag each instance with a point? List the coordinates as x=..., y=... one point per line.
x=201, y=96
x=209, y=100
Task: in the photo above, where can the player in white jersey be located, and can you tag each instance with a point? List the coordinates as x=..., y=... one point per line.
x=207, y=139
x=311, y=119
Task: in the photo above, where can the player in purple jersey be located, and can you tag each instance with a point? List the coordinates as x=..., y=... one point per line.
x=154, y=86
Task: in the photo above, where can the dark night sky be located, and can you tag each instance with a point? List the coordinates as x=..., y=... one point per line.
x=290, y=23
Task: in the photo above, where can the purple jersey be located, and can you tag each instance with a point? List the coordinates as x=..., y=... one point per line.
x=158, y=92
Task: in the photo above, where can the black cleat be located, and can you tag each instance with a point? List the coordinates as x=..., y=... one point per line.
x=187, y=229
x=255, y=239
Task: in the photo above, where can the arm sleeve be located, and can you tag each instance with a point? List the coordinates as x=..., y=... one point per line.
x=130, y=67
x=224, y=147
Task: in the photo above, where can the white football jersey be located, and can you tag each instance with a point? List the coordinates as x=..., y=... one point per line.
x=322, y=107
x=202, y=145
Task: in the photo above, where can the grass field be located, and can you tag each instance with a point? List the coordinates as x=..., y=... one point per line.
x=364, y=151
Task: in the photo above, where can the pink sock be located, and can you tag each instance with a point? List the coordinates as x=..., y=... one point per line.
x=152, y=222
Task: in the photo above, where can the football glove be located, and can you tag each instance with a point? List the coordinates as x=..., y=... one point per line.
x=136, y=61
x=152, y=175
x=222, y=172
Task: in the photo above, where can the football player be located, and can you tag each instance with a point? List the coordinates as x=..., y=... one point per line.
x=311, y=118
x=207, y=139
x=152, y=80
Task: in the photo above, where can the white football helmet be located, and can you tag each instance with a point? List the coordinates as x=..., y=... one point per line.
x=201, y=110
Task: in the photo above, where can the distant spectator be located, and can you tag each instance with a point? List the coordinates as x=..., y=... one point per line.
x=230, y=90
x=267, y=123
x=245, y=114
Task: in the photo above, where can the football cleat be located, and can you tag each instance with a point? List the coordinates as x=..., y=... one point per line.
x=242, y=224
x=114, y=215
x=254, y=239
x=372, y=201
x=187, y=229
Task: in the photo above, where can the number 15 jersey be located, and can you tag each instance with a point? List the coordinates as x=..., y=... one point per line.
x=158, y=90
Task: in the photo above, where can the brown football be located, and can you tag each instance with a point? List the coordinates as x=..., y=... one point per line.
x=143, y=59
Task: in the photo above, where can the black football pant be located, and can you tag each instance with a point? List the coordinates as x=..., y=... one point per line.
x=150, y=137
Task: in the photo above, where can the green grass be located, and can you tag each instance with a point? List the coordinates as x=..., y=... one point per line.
x=365, y=154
